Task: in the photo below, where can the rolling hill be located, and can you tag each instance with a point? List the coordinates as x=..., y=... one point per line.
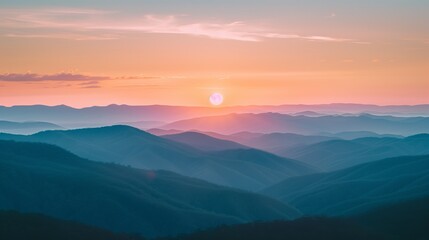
x=401, y=221
x=26, y=127
x=24, y=226
x=300, y=229
x=339, y=154
x=358, y=134
x=276, y=122
x=130, y=146
x=204, y=142
x=46, y=179
x=357, y=189
x=278, y=143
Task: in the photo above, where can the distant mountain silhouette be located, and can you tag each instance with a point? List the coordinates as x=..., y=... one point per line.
x=25, y=226
x=204, y=142
x=130, y=146
x=356, y=189
x=114, y=114
x=42, y=178
x=26, y=127
x=276, y=122
x=338, y=154
x=401, y=221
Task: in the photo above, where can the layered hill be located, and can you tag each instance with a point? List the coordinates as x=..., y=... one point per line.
x=46, y=179
x=204, y=142
x=356, y=189
x=279, y=143
x=23, y=226
x=401, y=221
x=276, y=122
x=130, y=146
x=26, y=127
x=339, y=154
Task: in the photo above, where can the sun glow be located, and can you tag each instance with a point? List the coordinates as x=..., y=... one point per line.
x=216, y=99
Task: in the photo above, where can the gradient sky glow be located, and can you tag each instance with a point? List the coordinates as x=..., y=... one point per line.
x=179, y=52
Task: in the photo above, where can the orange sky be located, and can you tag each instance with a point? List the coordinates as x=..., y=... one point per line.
x=76, y=55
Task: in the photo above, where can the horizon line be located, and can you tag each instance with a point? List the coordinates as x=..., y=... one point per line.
x=219, y=107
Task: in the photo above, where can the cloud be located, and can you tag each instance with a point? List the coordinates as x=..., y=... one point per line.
x=91, y=87
x=77, y=37
x=31, y=77
x=87, y=24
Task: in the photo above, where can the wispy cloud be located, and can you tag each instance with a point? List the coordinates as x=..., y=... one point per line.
x=87, y=24
x=31, y=77
x=76, y=36
x=84, y=79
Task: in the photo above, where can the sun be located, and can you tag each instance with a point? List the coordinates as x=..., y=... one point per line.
x=216, y=99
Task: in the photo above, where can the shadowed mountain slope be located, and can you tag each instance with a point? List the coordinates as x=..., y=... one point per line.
x=300, y=229
x=401, y=221
x=339, y=154
x=24, y=226
x=204, y=142
x=26, y=127
x=281, y=142
x=358, y=134
x=46, y=179
x=130, y=146
x=356, y=189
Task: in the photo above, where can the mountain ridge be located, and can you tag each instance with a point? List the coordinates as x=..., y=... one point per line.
x=130, y=146
x=356, y=189
x=38, y=177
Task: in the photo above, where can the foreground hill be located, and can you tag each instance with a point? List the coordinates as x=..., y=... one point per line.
x=356, y=189
x=26, y=127
x=46, y=179
x=204, y=142
x=130, y=146
x=24, y=226
x=338, y=154
x=301, y=229
x=276, y=122
x=402, y=221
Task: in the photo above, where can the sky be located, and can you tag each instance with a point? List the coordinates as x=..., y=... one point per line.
x=179, y=52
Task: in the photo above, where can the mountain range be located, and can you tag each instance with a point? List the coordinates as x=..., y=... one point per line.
x=283, y=123
x=113, y=114
x=248, y=169
x=401, y=221
x=338, y=154
x=204, y=142
x=357, y=189
x=23, y=226
x=26, y=127
x=46, y=179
